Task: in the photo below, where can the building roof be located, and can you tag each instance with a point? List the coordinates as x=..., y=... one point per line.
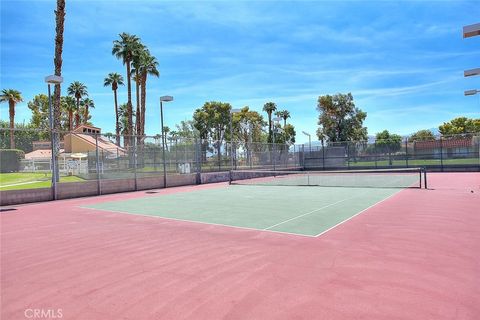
x=444, y=143
x=40, y=154
x=86, y=128
x=103, y=144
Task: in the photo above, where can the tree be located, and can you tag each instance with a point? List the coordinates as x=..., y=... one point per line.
x=59, y=21
x=460, y=126
x=12, y=97
x=68, y=104
x=148, y=66
x=186, y=129
x=339, y=119
x=114, y=80
x=166, y=130
x=86, y=104
x=77, y=90
x=213, y=118
x=125, y=49
x=422, y=135
x=284, y=114
x=23, y=137
x=39, y=108
x=387, y=142
x=269, y=108
x=247, y=128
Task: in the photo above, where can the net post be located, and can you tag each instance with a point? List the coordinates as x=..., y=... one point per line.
x=425, y=177
x=229, y=177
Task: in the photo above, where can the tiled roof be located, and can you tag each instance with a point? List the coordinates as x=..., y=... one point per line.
x=444, y=143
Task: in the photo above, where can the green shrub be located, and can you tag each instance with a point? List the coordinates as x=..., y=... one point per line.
x=10, y=160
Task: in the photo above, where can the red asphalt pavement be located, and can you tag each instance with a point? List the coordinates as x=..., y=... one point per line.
x=413, y=256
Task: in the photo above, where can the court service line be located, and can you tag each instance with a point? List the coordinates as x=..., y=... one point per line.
x=199, y=222
x=306, y=214
x=356, y=214
x=329, y=205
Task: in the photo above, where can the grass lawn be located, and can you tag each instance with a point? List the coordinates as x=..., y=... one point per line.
x=416, y=162
x=30, y=180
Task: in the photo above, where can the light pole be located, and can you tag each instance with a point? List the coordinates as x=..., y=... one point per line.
x=231, y=136
x=309, y=141
x=164, y=99
x=53, y=79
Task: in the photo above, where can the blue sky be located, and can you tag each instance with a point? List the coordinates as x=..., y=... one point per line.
x=402, y=61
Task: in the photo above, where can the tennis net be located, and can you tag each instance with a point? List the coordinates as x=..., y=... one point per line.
x=378, y=178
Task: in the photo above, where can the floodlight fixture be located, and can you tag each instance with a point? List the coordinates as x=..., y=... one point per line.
x=471, y=30
x=166, y=98
x=471, y=92
x=471, y=72
x=53, y=79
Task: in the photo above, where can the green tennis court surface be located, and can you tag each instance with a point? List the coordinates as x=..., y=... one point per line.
x=307, y=211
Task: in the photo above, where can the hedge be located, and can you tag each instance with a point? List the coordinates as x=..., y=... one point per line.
x=10, y=160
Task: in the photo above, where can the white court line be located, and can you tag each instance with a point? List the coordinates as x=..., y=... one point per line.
x=21, y=183
x=200, y=222
x=356, y=214
x=305, y=214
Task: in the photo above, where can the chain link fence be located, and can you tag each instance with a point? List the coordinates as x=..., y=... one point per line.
x=90, y=163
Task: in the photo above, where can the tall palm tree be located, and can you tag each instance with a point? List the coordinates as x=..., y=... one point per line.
x=12, y=97
x=125, y=49
x=148, y=66
x=285, y=114
x=138, y=116
x=77, y=90
x=114, y=79
x=87, y=103
x=68, y=104
x=136, y=76
x=59, y=27
x=269, y=108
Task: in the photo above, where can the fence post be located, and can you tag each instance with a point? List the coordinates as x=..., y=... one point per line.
x=348, y=155
x=323, y=155
x=134, y=141
x=441, y=154
x=97, y=167
x=198, y=160
x=375, y=153
x=406, y=152
x=294, y=157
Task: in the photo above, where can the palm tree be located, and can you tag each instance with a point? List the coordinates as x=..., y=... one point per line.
x=12, y=97
x=125, y=49
x=138, y=116
x=59, y=20
x=283, y=114
x=166, y=130
x=269, y=108
x=114, y=79
x=148, y=66
x=77, y=90
x=68, y=104
x=87, y=103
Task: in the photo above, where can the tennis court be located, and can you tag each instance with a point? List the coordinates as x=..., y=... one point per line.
x=303, y=203
x=253, y=249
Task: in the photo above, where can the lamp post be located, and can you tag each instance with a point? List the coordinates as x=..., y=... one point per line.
x=309, y=141
x=53, y=79
x=231, y=136
x=164, y=99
